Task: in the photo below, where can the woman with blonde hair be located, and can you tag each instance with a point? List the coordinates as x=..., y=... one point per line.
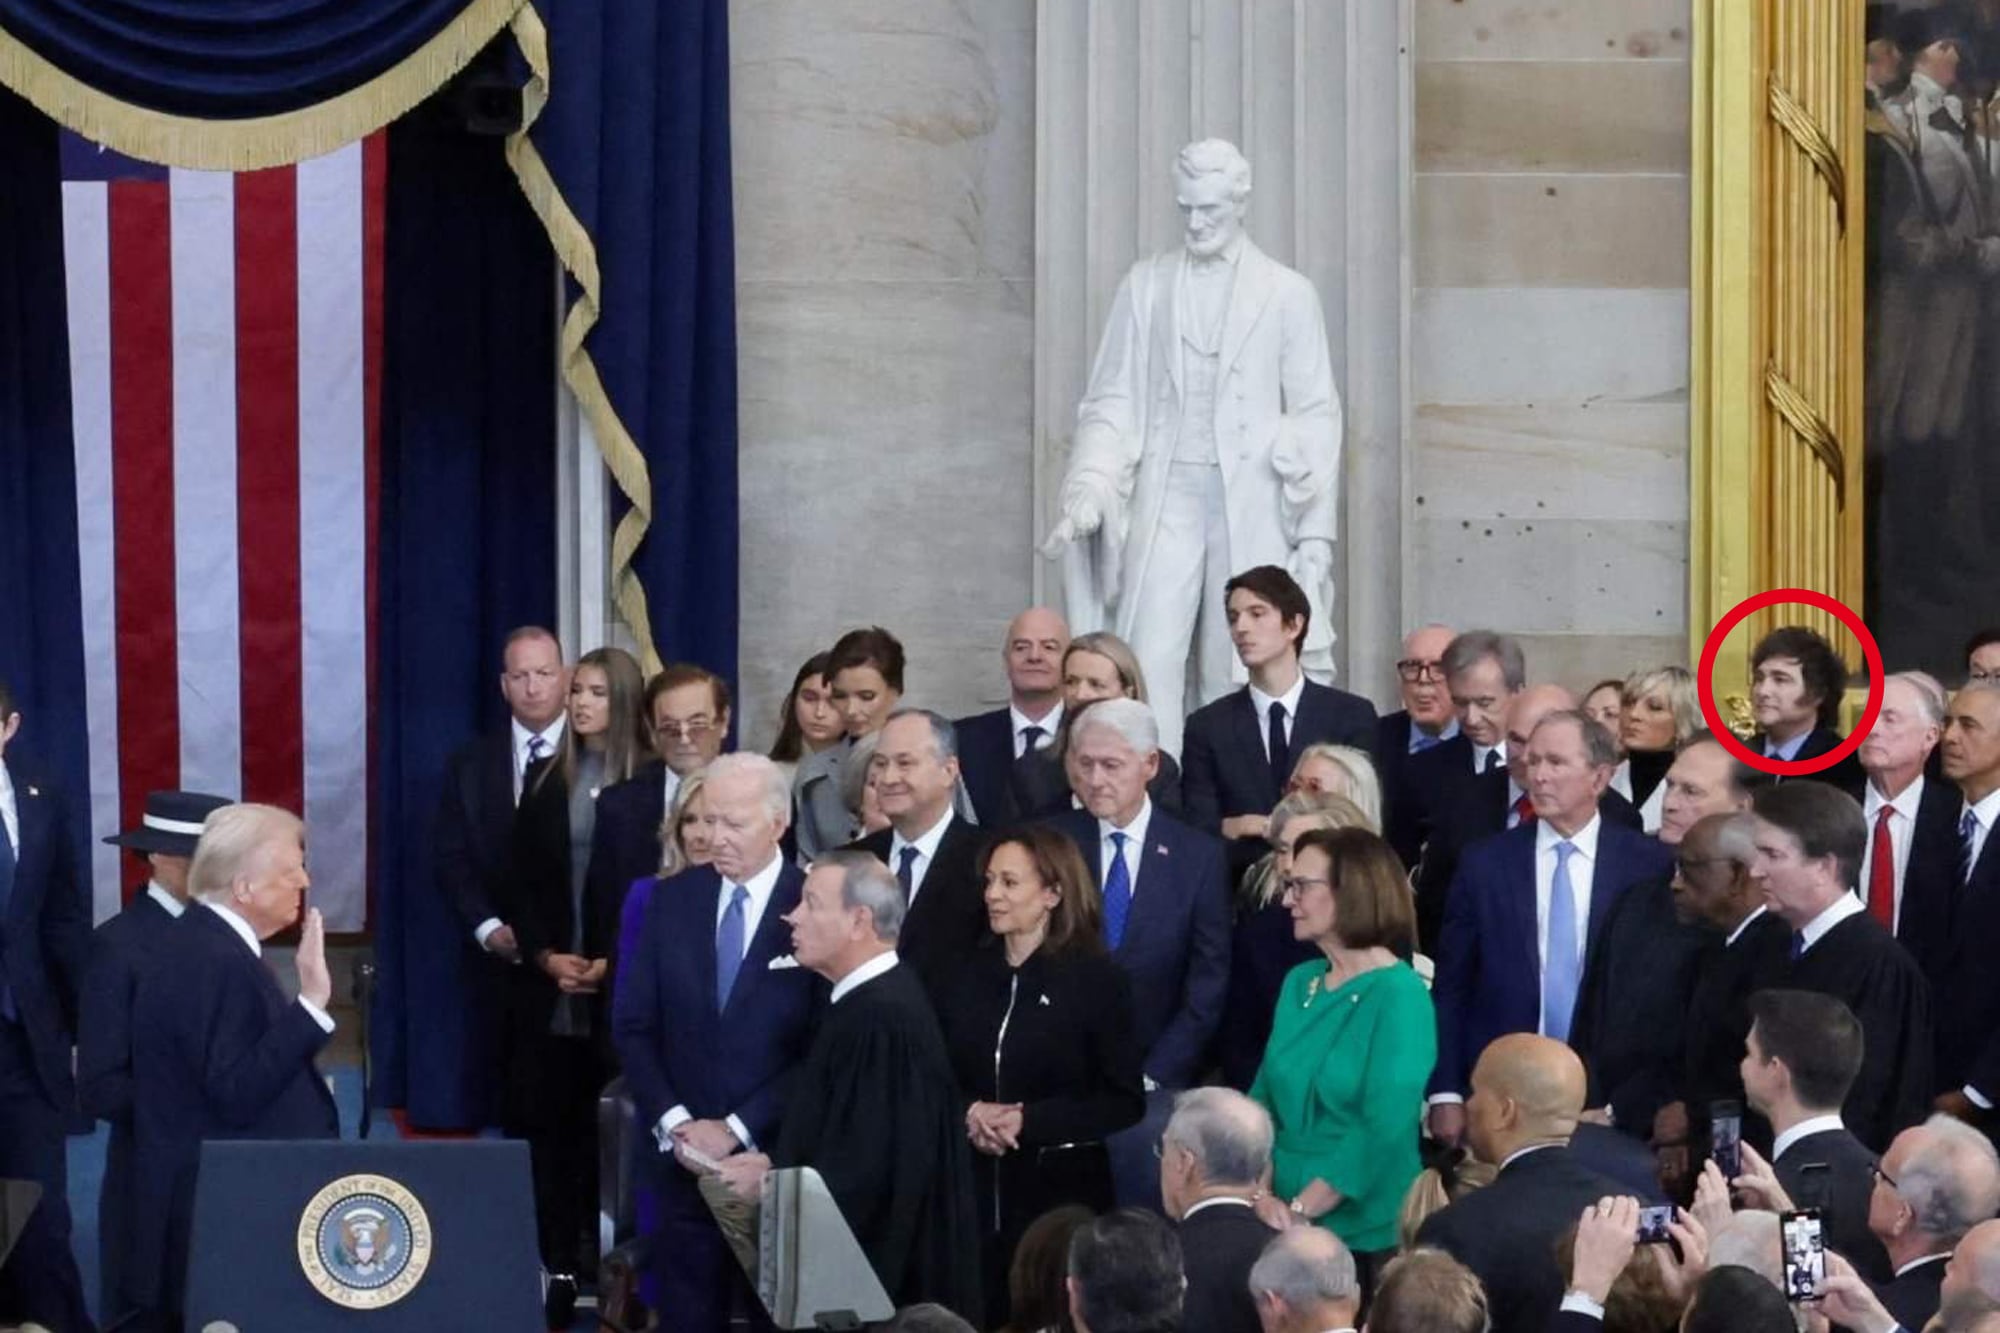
x=1451, y=1174
x=1095, y=666
x=1343, y=771
x=1658, y=711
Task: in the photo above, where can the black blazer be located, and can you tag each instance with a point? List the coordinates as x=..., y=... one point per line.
x=1718, y=1022
x=624, y=847
x=948, y=919
x=218, y=1052
x=1841, y=1193
x=45, y=938
x=1224, y=771
x=1038, y=788
x=473, y=828
x=1424, y=784
x=1625, y=1159
x=1846, y=774
x=1262, y=950
x=1631, y=1016
x=985, y=760
x=1219, y=1245
x=1930, y=880
x=1915, y=1296
x=1949, y=930
x=1507, y=1233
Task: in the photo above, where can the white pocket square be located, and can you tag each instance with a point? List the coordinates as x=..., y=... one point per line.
x=781, y=962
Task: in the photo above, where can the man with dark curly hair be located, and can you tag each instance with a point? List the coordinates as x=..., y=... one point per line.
x=1796, y=683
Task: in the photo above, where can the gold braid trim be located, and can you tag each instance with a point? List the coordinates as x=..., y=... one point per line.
x=1812, y=141
x=1809, y=426
x=260, y=141
x=577, y=253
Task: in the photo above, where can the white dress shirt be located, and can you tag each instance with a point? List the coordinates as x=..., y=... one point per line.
x=171, y=905
x=1983, y=815
x=1845, y=906
x=1621, y=778
x=1135, y=844
x=249, y=937
x=1582, y=875
x=1514, y=795
x=1048, y=723
x=1812, y=1124
x=861, y=976
x=926, y=845
x=1902, y=823
x=1290, y=699
x=10, y=812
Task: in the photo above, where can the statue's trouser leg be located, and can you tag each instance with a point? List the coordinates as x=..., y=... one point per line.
x=1185, y=571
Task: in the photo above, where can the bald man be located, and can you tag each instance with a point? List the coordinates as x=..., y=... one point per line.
x=989, y=743
x=1975, y=1264
x=1491, y=803
x=1527, y=1095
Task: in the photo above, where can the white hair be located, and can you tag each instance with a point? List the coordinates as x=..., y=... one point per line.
x=234, y=841
x=776, y=791
x=1749, y=1239
x=1228, y=1133
x=1208, y=156
x=1951, y=1179
x=866, y=882
x=1929, y=691
x=1128, y=719
x=1364, y=788
x=1305, y=1267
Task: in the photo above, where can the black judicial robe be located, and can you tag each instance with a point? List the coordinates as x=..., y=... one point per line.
x=875, y=1110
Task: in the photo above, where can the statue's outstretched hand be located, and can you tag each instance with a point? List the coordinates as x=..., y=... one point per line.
x=1312, y=562
x=1080, y=518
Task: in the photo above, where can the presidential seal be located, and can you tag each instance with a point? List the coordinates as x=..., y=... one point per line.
x=364, y=1242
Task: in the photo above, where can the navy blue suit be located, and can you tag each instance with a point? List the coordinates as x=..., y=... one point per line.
x=1948, y=929
x=1489, y=964
x=44, y=941
x=985, y=762
x=624, y=847
x=123, y=949
x=678, y=1050
x=219, y=1051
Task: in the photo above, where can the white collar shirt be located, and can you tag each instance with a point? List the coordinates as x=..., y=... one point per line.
x=1983, y=815
x=1046, y=724
x=169, y=904
x=1845, y=906
x=861, y=976
x=1902, y=823
x=1481, y=754
x=10, y=810
x=1135, y=842
x=1744, y=925
x=1811, y=1125
x=550, y=737
x=245, y=933
x=1290, y=699
x=926, y=844
x=760, y=887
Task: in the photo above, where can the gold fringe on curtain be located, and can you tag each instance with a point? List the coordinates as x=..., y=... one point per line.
x=261, y=141
x=577, y=253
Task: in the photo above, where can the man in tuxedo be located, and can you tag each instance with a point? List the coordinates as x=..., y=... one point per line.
x=1527, y=1095
x=688, y=708
x=1936, y=1183
x=457, y=1044
x=989, y=743
x=1166, y=916
x=1304, y=1282
x=44, y=941
x=1483, y=671
x=1809, y=838
x=1239, y=750
x=1799, y=1061
x=1912, y=855
x=1426, y=720
x=709, y=1033
x=1214, y=1157
x=934, y=853
x=1955, y=955
x=124, y=947
x=1528, y=908
x=1796, y=682
x=218, y=1051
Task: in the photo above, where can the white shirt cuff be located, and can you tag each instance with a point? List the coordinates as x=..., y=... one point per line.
x=485, y=928
x=1146, y=1081
x=1977, y=1098
x=742, y=1134
x=1445, y=1099
x=663, y=1133
x=1582, y=1304
x=319, y=1015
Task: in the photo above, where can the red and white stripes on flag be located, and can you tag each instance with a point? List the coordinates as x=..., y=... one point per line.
x=225, y=336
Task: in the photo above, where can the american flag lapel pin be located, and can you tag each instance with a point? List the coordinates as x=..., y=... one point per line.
x=1161, y=849
x=34, y=791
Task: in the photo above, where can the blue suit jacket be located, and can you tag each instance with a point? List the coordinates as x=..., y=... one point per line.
x=1176, y=946
x=1489, y=958
x=219, y=1051
x=676, y=1048
x=45, y=937
x=985, y=761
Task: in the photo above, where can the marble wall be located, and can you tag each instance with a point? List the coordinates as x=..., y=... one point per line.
x=1547, y=450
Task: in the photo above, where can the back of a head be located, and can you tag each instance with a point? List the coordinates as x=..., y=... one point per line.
x=1817, y=1038
x=929, y=1317
x=1126, y=1269
x=1428, y=1291
x=1730, y=1299
x=1309, y=1269
x=1542, y=1076
x=1037, y=1297
x=1228, y=1133
x=1449, y=1178
x=1968, y=1310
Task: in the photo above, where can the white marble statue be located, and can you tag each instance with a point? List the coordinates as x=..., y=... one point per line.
x=1208, y=442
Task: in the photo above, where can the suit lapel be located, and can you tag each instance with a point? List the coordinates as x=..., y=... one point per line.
x=28, y=807
x=701, y=936
x=1605, y=885
x=773, y=938
x=1154, y=872
x=1246, y=303
x=1522, y=904
x=1250, y=747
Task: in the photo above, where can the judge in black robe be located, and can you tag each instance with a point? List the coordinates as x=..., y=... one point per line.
x=875, y=1108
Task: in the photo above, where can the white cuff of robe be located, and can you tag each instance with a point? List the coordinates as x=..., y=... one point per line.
x=319, y=1015
x=742, y=1134
x=1977, y=1098
x=1580, y=1303
x=1445, y=1099
x=484, y=929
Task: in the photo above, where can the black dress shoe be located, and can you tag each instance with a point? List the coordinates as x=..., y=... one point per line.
x=559, y=1302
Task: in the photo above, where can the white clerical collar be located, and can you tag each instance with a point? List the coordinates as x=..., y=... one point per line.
x=926, y=843
x=1584, y=839
x=550, y=736
x=1290, y=699
x=169, y=904
x=861, y=976
x=1905, y=804
x=1217, y=1201
x=1845, y=906
x=1811, y=1125
x=1519, y=1153
x=237, y=924
x=1135, y=832
x=1048, y=721
x=1744, y=925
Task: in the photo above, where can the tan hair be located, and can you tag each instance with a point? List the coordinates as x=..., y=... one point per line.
x=1260, y=886
x=1428, y=1291
x=1436, y=1187
x=1373, y=905
x=673, y=857
x=1118, y=653
x=232, y=844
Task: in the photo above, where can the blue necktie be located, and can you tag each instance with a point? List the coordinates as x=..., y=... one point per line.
x=1968, y=827
x=1423, y=740
x=906, y=873
x=1117, y=893
x=1560, y=970
x=729, y=947
x=1798, y=945
x=6, y=897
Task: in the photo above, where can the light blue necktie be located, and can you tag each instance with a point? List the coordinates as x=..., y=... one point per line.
x=1560, y=969
x=729, y=947
x=1423, y=740
x=1968, y=828
x=1117, y=893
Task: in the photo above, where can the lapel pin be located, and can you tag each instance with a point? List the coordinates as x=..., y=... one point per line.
x=34, y=791
x=1045, y=1000
x=1161, y=849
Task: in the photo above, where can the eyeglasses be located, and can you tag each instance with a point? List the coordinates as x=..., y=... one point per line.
x=1883, y=1176
x=1412, y=670
x=1295, y=885
x=691, y=730
x=1696, y=862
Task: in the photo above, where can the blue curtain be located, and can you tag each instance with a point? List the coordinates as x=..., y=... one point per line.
x=41, y=621
x=636, y=135
x=467, y=551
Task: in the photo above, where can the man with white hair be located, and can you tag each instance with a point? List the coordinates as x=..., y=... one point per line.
x=1166, y=916
x=1208, y=441
x=1912, y=819
x=1214, y=1158
x=875, y=1108
x=1936, y=1183
x=218, y=1051
x=1305, y=1283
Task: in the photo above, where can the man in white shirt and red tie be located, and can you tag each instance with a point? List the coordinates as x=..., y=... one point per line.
x=1908, y=868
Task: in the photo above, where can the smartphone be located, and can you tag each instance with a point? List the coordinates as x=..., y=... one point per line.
x=1805, y=1255
x=1654, y=1221
x=1810, y=1195
x=1725, y=1137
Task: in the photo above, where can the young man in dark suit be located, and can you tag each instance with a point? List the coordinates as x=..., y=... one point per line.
x=44, y=941
x=1528, y=909
x=1166, y=916
x=933, y=853
x=218, y=1051
x=1483, y=671
x=1238, y=752
x=1954, y=949
x=1796, y=683
x=1214, y=1156
x=123, y=948
x=989, y=743
x=709, y=1033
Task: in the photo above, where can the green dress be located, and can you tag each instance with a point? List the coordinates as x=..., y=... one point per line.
x=1343, y=1078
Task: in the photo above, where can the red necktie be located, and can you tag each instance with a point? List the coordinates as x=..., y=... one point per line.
x=1524, y=811
x=1882, y=872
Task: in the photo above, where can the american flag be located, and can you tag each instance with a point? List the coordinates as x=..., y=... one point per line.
x=225, y=336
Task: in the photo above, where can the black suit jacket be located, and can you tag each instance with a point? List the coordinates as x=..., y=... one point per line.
x=45, y=938
x=1949, y=930
x=1425, y=784
x=1846, y=774
x=470, y=833
x=1930, y=879
x=1225, y=773
x=1841, y=1193
x=120, y=952
x=1507, y=1233
x=1392, y=765
x=948, y=919
x=624, y=846
x=1631, y=1019
x=1038, y=788
x=985, y=761
x=1718, y=1021
x=218, y=1052
x=1915, y=1296
x=1218, y=1246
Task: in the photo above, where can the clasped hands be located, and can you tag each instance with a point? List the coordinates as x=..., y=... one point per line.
x=994, y=1127
x=574, y=974
x=718, y=1147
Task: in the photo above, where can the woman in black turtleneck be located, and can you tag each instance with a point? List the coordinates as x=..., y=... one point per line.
x=1658, y=711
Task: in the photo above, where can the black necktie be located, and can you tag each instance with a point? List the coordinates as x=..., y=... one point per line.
x=1031, y=739
x=1281, y=770
x=1492, y=760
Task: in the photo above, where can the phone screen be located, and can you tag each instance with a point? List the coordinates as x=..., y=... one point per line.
x=1653, y=1223
x=1725, y=1137
x=1805, y=1255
